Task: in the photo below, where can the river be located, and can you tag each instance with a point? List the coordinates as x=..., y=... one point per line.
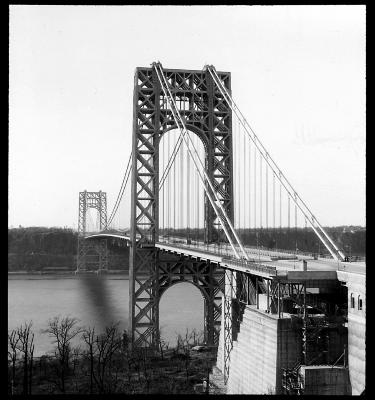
x=94, y=301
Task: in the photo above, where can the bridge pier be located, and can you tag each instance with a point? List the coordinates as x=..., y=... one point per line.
x=280, y=329
x=159, y=274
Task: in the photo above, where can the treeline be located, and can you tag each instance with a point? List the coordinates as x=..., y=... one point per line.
x=103, y=363
x=41, y=248
x=38, y=248
x=351, y=239
x=41, y=240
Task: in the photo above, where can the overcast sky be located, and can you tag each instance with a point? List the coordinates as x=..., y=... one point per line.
x=298, y=76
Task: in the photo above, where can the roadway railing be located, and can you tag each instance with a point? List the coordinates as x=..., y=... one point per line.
x=351, y=268
x=213, y=248
x=201, y=248
x=252, y=264
x=267, y=269
x=224, y=249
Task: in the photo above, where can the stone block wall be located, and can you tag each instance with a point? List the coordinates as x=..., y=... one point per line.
x=265, y=345
x=356, y=285
x=325, y=380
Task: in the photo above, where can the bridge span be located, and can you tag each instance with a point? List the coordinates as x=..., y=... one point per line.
x=263, y=289
x=275, y=262
x=281, y=319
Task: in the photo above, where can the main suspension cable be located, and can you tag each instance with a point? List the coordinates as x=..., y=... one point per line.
x=121, y=191
x=186, y=137
x=336, y=253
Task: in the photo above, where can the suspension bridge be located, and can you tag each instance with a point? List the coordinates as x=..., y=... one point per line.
x=197, y=180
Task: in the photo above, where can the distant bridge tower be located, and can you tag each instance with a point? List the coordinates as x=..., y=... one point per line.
x=151, y=271
x=92, y=254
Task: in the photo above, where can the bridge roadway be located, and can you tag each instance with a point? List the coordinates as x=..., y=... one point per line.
x=263, y=262
x=268, y=266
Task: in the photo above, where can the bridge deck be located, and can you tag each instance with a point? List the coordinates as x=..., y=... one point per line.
x=265, y=267
x=264, y=262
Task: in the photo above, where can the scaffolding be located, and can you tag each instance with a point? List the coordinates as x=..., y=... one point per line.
x=315, y=332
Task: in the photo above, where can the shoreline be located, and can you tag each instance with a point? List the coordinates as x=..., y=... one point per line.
x=64, y=274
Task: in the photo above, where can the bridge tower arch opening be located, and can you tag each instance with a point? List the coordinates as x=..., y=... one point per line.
x=189, y=300
x=208, y=115
x=182, y=201
x=91, y=254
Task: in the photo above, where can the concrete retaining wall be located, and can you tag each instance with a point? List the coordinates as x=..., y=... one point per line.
x=356, y=285
x=220, y=349
x=324, y=380
x=264, y=345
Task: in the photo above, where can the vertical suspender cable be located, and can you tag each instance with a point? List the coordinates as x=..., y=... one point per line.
x=280, y=207
x=239, y=174
x=169, y=191
x=235, y=188
x=163, y=188
x=235, y=184
x=249, y=182
x=244, y=183
x=266, y=195
x=184, y=204
x=260, y=191
x=188, y=198
x=255, y=187
x=274, y=208
x=198, y=203
x=295, y=224
x=174, y=198
x=181, y=189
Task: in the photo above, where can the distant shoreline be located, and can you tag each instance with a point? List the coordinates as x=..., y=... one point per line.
x=63, y=274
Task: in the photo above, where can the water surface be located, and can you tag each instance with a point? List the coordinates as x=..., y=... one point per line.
x=95, y=301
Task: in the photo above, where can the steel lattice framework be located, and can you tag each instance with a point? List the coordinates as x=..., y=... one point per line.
x=91, y=252
x=208, y=115
x=208, y=277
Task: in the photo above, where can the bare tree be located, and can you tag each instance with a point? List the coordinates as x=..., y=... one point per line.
x=162, y=345
x=23, y=342
x=13, y=340
x=184, y=344
x=89, y=338
x=76, y=352
x=196, y=337
x=101, y=351
x=63, y=330
x=107, y=345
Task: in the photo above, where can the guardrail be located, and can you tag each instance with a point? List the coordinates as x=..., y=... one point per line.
x=245, y=264
x=351, y=268
x=224, y=249
x=251, y=265
x=208, y=248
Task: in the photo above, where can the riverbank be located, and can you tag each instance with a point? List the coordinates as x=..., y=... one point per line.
x=65, y=274
x=178, y=370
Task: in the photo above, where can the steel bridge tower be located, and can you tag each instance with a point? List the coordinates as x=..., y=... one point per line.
x=151, y=271
x=91, y=252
